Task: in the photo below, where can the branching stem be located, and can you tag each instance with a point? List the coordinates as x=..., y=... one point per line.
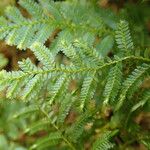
x=70, y=70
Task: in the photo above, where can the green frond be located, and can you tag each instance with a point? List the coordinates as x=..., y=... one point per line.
x=3, y=61
x=32, y=88
x=64, y=38
x=27, y=66
x=51, y=8
x=71, y=53
x=49, y=113
x=130, y=85
x=11, y=76
x=43, y=54
x=3, y=21
x=88, y=89
x=14, y=88
x=103, y=143
x=76, y=130
x=16, y=85
x=26, y=111
x=40, y=125
x=52, y=139
x=14, y=14
x=46, y=17
x=65, y=107
x=58, y=87
x=23, y=32
x=44, y=33
x=146, y=142
x=25, y=38
x=143, y=100
x=147, y=53
x=90, y=53
x=113, y=83
x=77, y=70
x=16, y=80
x=21, y=80
x=33, y=8
x=123, y=37
x=105, y=45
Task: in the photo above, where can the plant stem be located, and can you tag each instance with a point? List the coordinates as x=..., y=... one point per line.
x=70, y=70
x=63, y=137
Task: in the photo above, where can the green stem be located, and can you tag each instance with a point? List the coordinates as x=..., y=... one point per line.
x=63, y=137
x=58, y=24
x=70, y=70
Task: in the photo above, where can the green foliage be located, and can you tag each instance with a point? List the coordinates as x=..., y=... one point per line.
x=3, y=61
x=123, y=37
x=130, y=85
x=105, y=45
x=143, y=100
x=113, y=83
x=51, y=139
x=103, y=82
x=103, y=142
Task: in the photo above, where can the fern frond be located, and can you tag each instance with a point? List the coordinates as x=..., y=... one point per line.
x=146, y=142
x=75, y=53
x=76, y=130
x=71, y=53
x=16, y=81
x=38, y=76
x=27, y=66
x=145, y=97
x=33, y=8
x=105, y=45
x=40, y=125
x=44, y=33
x=3, y=61
x=23, y=32
x=58, y=87
x=113, y=84
x=51, y=8
x=16, y=85
x=26, y=37
x=14, y=14
x=88, y=52
x=50, y=140
x=103, y=143
x=64, y=37
x=46, y=17
x=130, y=85
x=26, y=111
x=123, y=37
x=8, y=77
x=14, y=88
x=43, y=54
x=88, y=89
x=65, y=108
x=3, y=23
x=32, y=88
